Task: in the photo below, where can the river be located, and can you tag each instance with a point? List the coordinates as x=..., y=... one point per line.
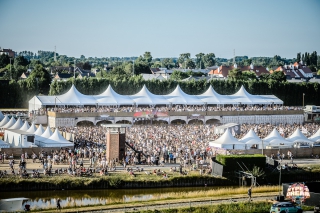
x=47, y=199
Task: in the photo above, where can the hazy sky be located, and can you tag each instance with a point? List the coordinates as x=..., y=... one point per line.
x=166, y=28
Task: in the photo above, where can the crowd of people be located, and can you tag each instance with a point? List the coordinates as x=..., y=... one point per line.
x=173, y=108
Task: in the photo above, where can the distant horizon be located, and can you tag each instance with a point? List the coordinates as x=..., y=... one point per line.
x=107, y=28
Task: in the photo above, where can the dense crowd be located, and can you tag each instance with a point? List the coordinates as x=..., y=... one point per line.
x=174, y=108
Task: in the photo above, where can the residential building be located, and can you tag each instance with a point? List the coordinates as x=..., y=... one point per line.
x=62, y=76
x=223, y=71
x=297, y=70
x=8, y=52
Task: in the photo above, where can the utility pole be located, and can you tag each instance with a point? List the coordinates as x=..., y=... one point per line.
x=55, y=57
x=74, y=70
x=10, y=69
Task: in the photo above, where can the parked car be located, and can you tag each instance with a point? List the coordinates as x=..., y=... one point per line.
x=285, y=207
x=317, y=209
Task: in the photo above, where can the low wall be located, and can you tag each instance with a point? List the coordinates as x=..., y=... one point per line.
x=16, y=152
x=297, y=152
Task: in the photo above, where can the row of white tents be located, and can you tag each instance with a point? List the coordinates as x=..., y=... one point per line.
x=144, y=97
x=21, y=134
x=274, y=139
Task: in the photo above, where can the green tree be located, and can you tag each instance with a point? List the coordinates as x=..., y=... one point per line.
x=178, y=75
x=248, y=75
x=182, y=59
x=318, y=73
x=278, y=76
x=235, y=74
x=190, y=64
x=168, y=63
x=4, y=60
x=199, y=60
x=209, y=60
x=42, y=77
x=147, y=57
x=298, y=57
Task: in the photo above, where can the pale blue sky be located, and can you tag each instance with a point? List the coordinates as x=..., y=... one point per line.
x=166, y=28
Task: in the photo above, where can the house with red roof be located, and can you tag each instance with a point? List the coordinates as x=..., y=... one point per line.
x=296, y=70
x=223, y=71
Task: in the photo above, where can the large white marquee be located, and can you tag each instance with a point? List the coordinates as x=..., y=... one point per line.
x=144, y=97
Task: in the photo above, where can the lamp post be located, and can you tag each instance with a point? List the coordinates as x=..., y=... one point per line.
x=303, y=100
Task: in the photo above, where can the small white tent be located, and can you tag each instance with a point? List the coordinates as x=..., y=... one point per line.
x=32, y=128
x=1, y=116
x=47, y=133
x=4, y=144
x=298, y=137
x=10, y=123
x=252, y=139
x=275, y=140
x=56, y=140
x=4, y=121
x=315, y=137
x=18, y=124
x=227, y=141
x=25, y=126
x=39, y=131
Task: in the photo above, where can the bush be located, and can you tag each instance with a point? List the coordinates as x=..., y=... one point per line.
x=247, y=162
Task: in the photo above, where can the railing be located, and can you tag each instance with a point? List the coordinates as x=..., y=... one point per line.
x=185, y=113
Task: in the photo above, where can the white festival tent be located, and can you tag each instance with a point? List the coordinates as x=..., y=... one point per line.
x=275, y=139
x=55, y=140
x=315, y=137
x=1, y=116
x=251, y=138
x=47, y=133
x=298, y=137
x=212, y=97
x=39, y=131
x=25, y=126
x=110, y=97
x=4, y=121
x=18, y=124
x=227, y=141
x=145, y=97
x=32, y=128
x=180, y=97
x=4, y=144
x=10, y=123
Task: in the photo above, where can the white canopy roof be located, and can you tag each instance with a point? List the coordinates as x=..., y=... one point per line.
x=25, y=126
x=144, y=96
x=298, y=136
x=110, y=97
x=32, y=128
x=55, y=140
x=179, y=97
x=316, y=136
x=39, y=131
x=74, y=97
x=227, y=141
x=4, y=144
x=18, y=124
x=252, y=138
x=274, y=138
x=10, y=123
x=56, y=136
x=4, y=120
x=212, y=97
x=48, y=133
